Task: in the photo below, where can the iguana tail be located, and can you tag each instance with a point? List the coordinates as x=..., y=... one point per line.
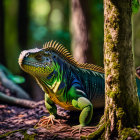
x=138, y=80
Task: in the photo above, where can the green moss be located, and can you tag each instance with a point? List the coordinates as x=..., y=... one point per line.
x=138, y=127
x=120, y=116
x=22, y=131
x=11, y=132
x=97, y=134
x=120, y=113
x=109, y=37
x=113, y=57
x=108, y=72
x=135, y=6
x=129, y=132
x=112, y=94
x=116, y=66
x=119, y=126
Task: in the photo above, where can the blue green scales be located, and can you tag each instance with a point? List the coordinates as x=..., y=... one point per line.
x=65, y=82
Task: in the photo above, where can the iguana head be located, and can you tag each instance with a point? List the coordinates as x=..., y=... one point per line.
x=37, y=62
x=44, y=61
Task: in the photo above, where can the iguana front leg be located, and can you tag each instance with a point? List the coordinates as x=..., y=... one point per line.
x=51, y=107
x=85, y=117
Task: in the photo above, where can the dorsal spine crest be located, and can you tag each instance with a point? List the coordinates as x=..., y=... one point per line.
x=60, y=49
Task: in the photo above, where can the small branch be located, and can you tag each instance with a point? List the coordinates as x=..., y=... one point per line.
x=20, y=93
x=16, y=101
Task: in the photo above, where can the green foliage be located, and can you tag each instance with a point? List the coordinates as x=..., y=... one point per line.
x=11, y=34
x=135, y=6
x=15, y=78
x=96, y=31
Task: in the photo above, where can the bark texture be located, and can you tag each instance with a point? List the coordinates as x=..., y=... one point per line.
x=121, y=105
x=81, y=49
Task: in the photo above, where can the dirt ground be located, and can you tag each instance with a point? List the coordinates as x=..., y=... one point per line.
x=24, y=119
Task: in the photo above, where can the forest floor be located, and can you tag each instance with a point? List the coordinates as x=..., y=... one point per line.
x=24, y=119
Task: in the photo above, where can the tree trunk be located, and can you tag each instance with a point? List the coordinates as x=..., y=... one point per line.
x=2, y=56
x=23, y=20
x=81, y=49
x=121, y=105
x=11, y=45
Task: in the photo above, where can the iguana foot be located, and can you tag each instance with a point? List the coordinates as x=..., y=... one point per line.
x=76, y=129
x=80, y=128
x=45, y=121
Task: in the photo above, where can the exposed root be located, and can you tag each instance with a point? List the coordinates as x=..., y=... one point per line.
x=96, y=134
x=79, y=128
x=45, y=121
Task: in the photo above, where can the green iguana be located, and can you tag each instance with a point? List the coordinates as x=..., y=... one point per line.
x=65, y=82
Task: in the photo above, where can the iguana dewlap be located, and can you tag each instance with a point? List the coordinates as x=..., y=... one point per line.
x=71, y=85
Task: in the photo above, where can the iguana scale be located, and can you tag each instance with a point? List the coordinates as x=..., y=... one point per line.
x=65, y=82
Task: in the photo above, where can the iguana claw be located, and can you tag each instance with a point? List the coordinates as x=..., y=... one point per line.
x=80, y=128
x=44, y=121
x=77, y=129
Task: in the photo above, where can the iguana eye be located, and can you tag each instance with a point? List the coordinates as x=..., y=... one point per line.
x=38, y=57
x=54, y=56
x=47, y=59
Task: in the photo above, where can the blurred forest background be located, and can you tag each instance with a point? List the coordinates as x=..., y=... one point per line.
x=26, y=24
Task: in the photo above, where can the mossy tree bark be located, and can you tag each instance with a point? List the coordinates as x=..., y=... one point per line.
x=122, y=109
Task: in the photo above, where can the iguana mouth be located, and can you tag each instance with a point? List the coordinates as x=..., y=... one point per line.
x=35, y=67
x=35, y=64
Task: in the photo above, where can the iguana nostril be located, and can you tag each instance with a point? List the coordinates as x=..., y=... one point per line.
x=27, y=54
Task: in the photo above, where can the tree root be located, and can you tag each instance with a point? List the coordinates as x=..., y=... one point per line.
x=16, y=101
x=132, y=133
x=96, y=134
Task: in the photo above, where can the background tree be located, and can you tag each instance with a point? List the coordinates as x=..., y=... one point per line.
x=23, y=23
x=81, y=48
x=11, y=46
x=2, y=55
x=87, y=31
